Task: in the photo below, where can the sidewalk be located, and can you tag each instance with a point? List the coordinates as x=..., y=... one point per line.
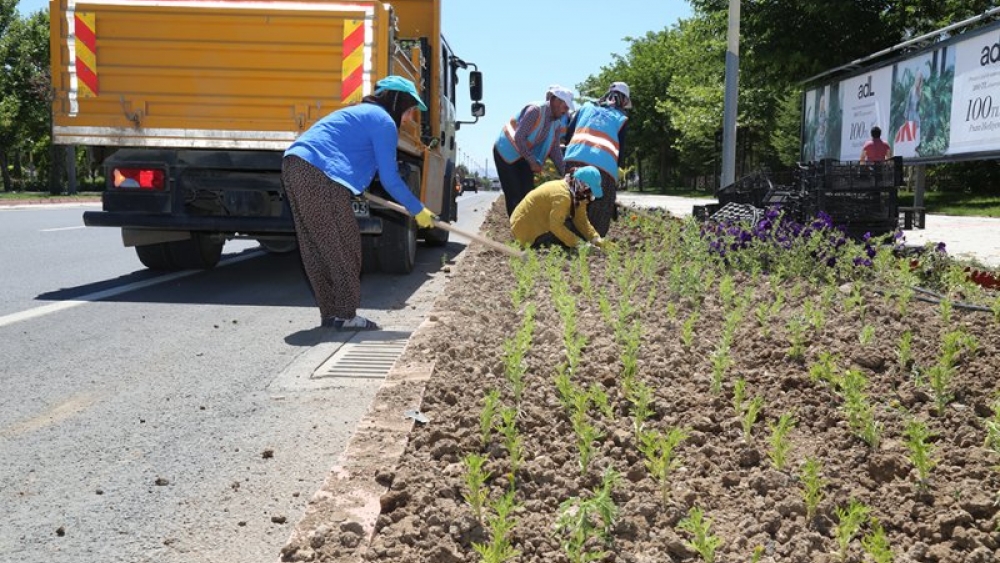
x=964, y=237
x=24, y=202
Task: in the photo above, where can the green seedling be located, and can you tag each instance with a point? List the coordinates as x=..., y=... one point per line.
x=815, y=316
x=904, y=296
x=687, y=330
x=849, y=521
x=796, y=328
x=721, y=362
x=904, y=350
x=702, y=541
x=586, y=435
x=475, y=483
x=500, y=524
x=993, y=427
x=750, y=417
x=945, y=308
x=876, y=543
x=512, y=439
x=599, y=397
x=757, y=553
x=727, y=291
x=825, y=368
x=856, y=301
x=860, y=415
x=739, y=396
x=566, y=389
x=604, y=305
x=585, y=522
x=779, y=441
x=812, y=486
x=641, y=397
x=763, y=315
x=658, y=448
x=490, y=404
x=514, y=351
x=867, y=335
x=921, y=451
x=526, y=272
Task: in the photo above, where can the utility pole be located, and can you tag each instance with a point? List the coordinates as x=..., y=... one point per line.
x=731, y=96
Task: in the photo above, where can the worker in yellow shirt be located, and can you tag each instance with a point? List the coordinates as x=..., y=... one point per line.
x=546, y=208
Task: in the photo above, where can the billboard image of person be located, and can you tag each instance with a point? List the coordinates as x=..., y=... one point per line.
x=921, y=104
x=822, y=124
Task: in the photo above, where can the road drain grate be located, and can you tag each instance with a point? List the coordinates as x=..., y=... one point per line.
x=362, y=360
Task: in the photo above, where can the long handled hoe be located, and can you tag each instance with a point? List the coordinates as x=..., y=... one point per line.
x=449, y=227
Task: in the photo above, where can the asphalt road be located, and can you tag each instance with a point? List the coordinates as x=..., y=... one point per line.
x=172, y=418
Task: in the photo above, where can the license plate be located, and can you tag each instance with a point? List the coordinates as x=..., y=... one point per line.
x=360, y=208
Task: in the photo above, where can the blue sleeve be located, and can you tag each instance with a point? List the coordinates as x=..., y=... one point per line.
x=385, y=139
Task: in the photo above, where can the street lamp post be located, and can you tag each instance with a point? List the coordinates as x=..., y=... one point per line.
x=731, y=96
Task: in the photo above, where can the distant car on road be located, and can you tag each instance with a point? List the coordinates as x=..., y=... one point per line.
x=470, y=185
x=495, y=185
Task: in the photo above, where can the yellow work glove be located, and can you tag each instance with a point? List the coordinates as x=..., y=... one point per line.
x=601, y=243
x=425, y=219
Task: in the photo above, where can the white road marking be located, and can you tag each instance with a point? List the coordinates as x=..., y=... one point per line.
x=97, y=296
x=63, y=229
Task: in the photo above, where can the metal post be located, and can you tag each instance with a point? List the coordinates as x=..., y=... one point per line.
x=919, y=184
x=70, y=155
x=731, y=96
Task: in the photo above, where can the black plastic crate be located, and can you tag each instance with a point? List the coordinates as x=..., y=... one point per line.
x=839, y=175
x=749, y=190
x=877, y=204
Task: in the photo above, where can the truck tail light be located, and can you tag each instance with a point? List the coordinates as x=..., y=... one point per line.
x=139, y=179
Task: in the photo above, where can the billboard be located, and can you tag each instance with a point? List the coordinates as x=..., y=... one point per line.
x=935, y=105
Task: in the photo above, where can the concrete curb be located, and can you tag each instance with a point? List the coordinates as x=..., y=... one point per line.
x=4, y=202
x=341, y=516
x=339, y=523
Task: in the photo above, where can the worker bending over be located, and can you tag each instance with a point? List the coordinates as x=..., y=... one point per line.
x=547, y=208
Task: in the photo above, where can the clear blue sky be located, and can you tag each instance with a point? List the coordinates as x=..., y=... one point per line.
x=523, y=46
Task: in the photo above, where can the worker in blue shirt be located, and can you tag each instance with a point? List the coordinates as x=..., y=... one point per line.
x=331, y=162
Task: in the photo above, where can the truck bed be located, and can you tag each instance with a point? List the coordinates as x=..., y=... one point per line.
x=209, y=73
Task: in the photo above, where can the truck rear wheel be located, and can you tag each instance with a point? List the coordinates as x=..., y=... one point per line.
x=369, y=254
x=200, y=252
x=278, y=246
x=397, y=246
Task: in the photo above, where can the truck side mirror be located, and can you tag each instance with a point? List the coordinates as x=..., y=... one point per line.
x=478, y=109
x=475, y=85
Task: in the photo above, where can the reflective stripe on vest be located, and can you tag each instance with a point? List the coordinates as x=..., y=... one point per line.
x=539, y=148
x=595, y=139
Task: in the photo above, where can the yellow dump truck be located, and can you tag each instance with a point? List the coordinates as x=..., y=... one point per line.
x=190, y=104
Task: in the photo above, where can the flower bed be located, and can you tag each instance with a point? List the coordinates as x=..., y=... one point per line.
x=696, y=395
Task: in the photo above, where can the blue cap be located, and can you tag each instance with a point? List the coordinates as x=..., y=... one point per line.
x=400, y=84
x=592, y=177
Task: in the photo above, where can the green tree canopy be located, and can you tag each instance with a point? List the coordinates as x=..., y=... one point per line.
x=25, y=87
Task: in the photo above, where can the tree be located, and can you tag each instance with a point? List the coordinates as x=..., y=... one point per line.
x=25, y=88
x=677, y=74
